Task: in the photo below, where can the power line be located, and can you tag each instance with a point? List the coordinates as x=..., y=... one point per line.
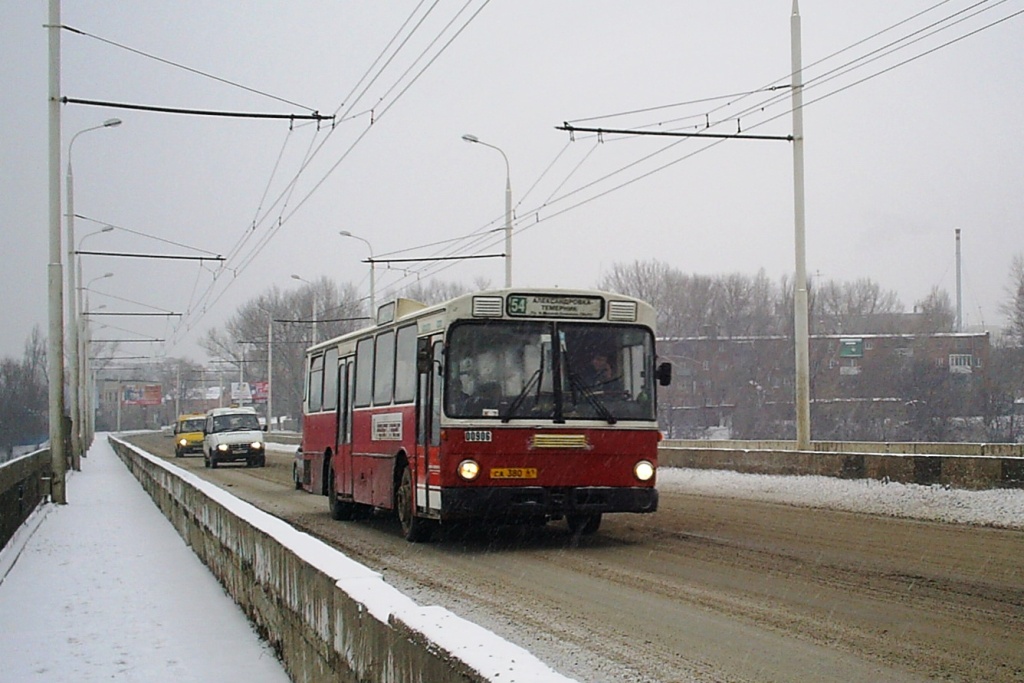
x=185, y=68
x=197, y=112
x=282, y=219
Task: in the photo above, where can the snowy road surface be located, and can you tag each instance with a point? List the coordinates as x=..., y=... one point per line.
x=735, y=578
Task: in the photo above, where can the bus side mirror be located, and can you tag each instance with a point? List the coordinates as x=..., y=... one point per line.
x=664, y=374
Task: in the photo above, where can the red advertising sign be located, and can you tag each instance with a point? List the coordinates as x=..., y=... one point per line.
x=141, y=395
x=259, y=392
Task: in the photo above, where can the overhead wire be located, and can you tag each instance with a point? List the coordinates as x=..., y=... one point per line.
x=185, y=68
x=818, y=81
x=283, y=218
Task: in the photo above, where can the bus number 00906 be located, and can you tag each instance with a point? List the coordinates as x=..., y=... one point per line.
x=478, y=435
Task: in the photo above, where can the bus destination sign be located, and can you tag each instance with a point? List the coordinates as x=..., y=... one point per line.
x=554, y=306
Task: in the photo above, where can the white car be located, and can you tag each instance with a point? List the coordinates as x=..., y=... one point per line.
x=233, y=434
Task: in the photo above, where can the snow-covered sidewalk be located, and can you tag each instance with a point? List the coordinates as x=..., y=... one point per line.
x=104, y=589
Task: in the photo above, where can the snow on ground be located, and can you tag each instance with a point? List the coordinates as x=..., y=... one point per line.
x=996, y=507
x=93, y=591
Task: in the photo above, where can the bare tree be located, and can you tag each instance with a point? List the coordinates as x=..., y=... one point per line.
x=24, y=396
x=744, y=306
x=1013, y=308
x=937, y=314
x=860, y=306
x=436, y=291
x=243, y=340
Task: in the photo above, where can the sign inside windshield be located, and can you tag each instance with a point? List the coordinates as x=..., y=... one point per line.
x=548, y=306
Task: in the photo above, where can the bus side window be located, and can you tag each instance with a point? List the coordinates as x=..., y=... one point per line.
x=405, y=365
x=364, y=373
x=316, y=384
x=384, y=369
x=330, y=399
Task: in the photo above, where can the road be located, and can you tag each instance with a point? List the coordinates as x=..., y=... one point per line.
x=706, y=589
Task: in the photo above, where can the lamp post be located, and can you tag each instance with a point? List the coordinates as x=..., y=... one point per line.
x=80, y=326
x=85, y=397
x=373, y=294
x=74, y=350
x=508, y=205
x=89, y=381
x=312, y=288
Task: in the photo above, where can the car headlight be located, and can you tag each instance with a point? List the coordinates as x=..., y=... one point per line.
x=223, y=447
x=182, y=442
x=644, y=470
x=256, y=445
x=469, y=469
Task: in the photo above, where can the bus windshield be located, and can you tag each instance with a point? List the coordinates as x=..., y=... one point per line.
x=508, y=370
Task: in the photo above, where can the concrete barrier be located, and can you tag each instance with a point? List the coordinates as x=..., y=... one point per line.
x=24, y=483
x=967, y=466
x=328, y=617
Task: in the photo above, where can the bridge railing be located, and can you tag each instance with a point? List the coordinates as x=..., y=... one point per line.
x=24, y=483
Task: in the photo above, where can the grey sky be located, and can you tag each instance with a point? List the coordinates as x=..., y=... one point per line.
x=894, y=164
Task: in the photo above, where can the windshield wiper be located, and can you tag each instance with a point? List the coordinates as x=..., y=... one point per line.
x=521, y=397
x=592, y=399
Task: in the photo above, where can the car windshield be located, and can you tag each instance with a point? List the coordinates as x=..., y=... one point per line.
x=235, y=423
x=195, y=425
x=510, y=370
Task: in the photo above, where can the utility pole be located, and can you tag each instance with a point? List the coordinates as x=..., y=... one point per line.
x=55, y=273
x=959, y=296
x=800, y=313
x=802, y=398
x=270, y=371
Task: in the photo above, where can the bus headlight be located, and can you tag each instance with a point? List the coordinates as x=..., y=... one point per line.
x=182, y=442
x=644, y=470
x=469, y=469
x=256, y=445
x=223, y=447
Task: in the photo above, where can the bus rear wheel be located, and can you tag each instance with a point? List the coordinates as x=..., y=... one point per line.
x=414, y=529
x=584, y=525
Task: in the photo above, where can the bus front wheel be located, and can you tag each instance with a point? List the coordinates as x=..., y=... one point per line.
x=415, y=529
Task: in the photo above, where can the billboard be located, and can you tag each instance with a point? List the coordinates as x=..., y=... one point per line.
x=259, y=392
x=141, y=394
x=241, y=393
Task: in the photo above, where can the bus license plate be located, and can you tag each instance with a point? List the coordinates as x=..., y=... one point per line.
x=513, y=473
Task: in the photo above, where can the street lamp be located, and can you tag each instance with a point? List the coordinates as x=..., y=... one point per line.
x=373, y=294
x=508, y=205
x=86, y=400
x=80, y=327
x=312, y=288
x=74, y=352
x=89, y=378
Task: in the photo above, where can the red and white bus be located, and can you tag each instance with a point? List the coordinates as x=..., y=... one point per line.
x=516, y=405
